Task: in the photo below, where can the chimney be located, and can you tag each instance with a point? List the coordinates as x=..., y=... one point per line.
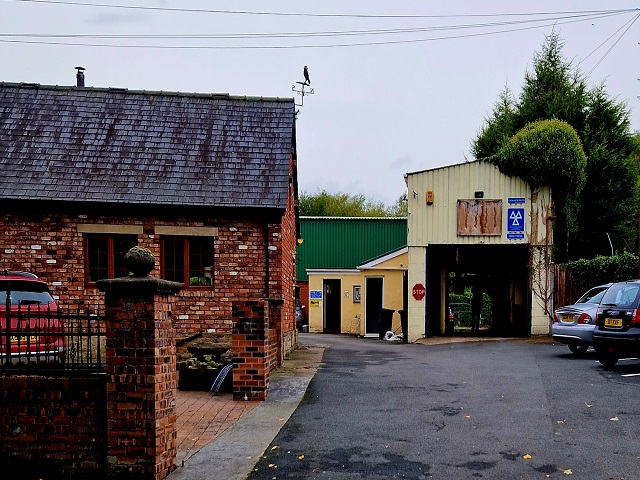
x=80, y=77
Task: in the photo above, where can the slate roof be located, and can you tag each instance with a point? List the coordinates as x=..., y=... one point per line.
x=118, y=146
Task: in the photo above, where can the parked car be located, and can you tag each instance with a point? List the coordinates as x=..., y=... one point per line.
x=574, y=324
x=617, y=332
x=34, y=331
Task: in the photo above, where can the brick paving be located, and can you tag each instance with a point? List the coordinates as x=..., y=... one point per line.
x=202, y=416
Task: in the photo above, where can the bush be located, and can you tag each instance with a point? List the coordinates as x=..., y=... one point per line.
x=588, y=273
x=461, y=307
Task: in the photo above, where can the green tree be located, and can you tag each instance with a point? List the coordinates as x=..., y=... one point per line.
x=325, y=204
x=559, y=163
x=555, y=89
x=401, y=207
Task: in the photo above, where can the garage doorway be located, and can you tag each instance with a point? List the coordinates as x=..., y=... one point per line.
x=332, y=311
x=498, y=272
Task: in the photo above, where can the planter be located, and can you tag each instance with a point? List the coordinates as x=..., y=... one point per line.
x=201, y=379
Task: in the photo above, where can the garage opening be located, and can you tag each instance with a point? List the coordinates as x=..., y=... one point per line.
x=485, y=283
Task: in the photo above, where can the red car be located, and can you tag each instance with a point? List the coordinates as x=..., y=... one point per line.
x=34, y=331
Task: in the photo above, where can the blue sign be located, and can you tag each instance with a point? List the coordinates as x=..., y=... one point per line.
x=515, y=223
x=514, y=200
x=315, y=294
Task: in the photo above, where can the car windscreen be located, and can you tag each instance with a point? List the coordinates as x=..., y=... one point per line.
x=593, y=296
x=25, y=293
x=622, y=295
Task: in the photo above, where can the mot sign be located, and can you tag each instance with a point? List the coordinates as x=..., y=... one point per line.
x=515, y=223
x=418, y=291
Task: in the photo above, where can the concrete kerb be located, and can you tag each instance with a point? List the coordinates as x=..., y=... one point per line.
x=234, y=453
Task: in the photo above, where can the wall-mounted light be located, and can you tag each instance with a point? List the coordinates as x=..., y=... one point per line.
x=478, y=194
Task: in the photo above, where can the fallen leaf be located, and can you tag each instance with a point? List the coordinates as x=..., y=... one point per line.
x=568, y=472
x=615, y=419
x=275, y=447
x=589, y=405
x=273, y=465
x=281, y=419
x=301, y=457
x=527, y=457
x=467, y=416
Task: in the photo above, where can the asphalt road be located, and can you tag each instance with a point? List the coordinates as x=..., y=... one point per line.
x=509, y=409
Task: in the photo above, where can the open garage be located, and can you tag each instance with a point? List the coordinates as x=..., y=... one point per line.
x=472, y=228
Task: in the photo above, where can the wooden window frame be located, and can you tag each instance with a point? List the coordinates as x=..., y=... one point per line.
x=186, y=242
x=109, y=237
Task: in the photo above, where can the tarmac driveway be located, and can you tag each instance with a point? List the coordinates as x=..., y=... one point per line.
x=509, y=409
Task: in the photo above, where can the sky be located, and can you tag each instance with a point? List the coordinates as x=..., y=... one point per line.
x=410, y=97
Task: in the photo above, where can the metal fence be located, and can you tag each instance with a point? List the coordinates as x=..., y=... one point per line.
x=38, y=341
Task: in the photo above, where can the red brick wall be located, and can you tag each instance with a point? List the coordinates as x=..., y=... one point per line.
x=287, y=274
x=55, y=424
x=50, y=246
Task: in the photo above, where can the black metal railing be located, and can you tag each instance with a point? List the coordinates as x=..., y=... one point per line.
x=38, y=340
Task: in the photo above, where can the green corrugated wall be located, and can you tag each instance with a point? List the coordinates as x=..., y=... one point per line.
x=330, y=242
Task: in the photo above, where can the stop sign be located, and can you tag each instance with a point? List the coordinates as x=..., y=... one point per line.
x=418, y=291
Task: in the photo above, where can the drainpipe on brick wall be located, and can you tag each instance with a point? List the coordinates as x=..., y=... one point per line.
x=266, y=259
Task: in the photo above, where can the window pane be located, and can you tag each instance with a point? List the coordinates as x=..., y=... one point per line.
x=121, y=245
x=174, y=260
x=200, y=260
x=98, y=258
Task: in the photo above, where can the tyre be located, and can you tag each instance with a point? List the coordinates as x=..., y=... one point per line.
x=577, y=348
x=608, y=361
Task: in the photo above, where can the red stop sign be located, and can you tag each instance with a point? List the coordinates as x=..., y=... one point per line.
x=418, y=291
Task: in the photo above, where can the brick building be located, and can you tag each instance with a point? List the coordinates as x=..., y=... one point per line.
x=207, y=182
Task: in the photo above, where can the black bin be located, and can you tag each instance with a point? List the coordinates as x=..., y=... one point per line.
x=386, y=317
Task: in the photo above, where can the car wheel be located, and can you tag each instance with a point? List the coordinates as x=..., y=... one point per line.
x=578, y=348
x=608, y=361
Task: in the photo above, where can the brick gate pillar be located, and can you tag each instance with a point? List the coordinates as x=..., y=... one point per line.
x=141, y=373
x=254, y=350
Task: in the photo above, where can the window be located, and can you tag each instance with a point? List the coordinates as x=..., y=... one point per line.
x=188, y=260
x=104, y=256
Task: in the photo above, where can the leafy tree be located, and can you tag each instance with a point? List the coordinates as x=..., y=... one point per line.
x=325, y=204
x=555, y=89
x=548, y=152
x=401, y=207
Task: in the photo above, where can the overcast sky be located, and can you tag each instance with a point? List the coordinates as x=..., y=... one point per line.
x=403, y=102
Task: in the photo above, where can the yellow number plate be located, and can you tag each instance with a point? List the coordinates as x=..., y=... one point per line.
x=23, y=339
x=613, y=322
x=567, y=317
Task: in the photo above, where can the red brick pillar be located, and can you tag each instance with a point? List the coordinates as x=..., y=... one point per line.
x=141, y=377
x=253, y=352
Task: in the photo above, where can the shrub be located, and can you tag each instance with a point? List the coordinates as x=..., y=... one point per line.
x=599, y=270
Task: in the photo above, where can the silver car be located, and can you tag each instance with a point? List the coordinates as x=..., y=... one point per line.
x=574, y=324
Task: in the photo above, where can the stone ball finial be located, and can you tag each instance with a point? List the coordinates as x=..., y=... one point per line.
x=139, y=261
